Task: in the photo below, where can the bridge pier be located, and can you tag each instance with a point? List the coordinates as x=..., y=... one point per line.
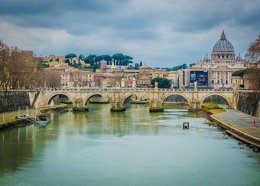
x=195, y=103
x=195, y=106
x=116, y=107
x=117, y=104
x=156, y=105
x=79, y=106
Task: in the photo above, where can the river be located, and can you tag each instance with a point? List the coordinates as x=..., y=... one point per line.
x=131, y=148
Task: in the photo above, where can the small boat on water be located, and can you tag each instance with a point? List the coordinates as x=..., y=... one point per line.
x=43, y=119
x=42, y=123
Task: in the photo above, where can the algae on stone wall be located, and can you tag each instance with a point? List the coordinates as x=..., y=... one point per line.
x=248, y=102
x=10, y=101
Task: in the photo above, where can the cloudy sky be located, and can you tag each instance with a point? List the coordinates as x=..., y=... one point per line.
x=161, y=33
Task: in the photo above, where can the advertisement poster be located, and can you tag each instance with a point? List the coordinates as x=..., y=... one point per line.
x=200, y=76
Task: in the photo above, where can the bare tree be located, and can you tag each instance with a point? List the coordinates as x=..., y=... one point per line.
x=253, y=73
x=50, y=79
x=254, y=47
x=20, y=69
x=22, y=66
x=4, y=70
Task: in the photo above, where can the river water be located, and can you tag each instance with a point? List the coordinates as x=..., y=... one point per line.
x=131, y=148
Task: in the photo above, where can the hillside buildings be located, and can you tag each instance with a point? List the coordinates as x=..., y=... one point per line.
x=214, y=71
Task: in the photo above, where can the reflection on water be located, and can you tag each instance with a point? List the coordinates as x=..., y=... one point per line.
x=131, y=148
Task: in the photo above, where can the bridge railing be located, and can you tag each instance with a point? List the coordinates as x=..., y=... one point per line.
x=98, y=89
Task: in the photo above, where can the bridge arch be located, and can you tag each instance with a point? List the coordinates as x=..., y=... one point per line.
x=177, y=94
x=56, y=94
x=216, y=94
x=132, y=94
x=90, y=96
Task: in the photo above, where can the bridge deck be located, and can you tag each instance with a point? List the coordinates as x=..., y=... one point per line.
x=241, y=125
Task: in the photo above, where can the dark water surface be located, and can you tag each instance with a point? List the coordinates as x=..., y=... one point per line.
x=131, y=148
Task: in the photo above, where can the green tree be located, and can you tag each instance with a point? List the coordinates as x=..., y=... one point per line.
x=99, y=58
x=192, y=64
x=129, y=57
x=67, y=60
x=82, y=57
x=124, y=62
x=136, y=65
x=108, y=58
x=44, y=64
x=183, y=66
x=75, y=65
x=239, y=73
x=90, y=59
x=118, y=57
x=162, y=82
x=70, y=55
x=127, y=60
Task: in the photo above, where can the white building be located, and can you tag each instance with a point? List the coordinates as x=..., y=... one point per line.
x=219, y=67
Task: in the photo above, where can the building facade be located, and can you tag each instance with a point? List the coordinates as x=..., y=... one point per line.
x=72, y=77
x=216, y=70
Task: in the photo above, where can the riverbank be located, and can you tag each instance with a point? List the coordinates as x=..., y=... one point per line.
x=240, y=125
x=212, y=108
x=8, y=119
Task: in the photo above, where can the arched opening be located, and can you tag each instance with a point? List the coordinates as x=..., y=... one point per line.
x=176, y=101
x=58, y=99
x=136, y=99
x=95, y=99
x=218, y=99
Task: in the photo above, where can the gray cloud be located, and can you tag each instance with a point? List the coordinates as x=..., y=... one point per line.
x=32, y=7
x=169, y=31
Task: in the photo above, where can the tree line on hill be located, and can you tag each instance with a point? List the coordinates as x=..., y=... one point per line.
x=93, y=60
x=179, y=67
x=118, y=58
x=162, y=82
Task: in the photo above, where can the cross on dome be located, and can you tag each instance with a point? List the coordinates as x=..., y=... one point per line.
x=223, y=36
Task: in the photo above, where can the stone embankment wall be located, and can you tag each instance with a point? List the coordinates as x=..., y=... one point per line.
x=10, y=101
x=249, y=102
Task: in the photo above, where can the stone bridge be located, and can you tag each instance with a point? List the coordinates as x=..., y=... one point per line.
x=117, y=96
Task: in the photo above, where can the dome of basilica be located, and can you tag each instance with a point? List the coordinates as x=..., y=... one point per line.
x=223, y=45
